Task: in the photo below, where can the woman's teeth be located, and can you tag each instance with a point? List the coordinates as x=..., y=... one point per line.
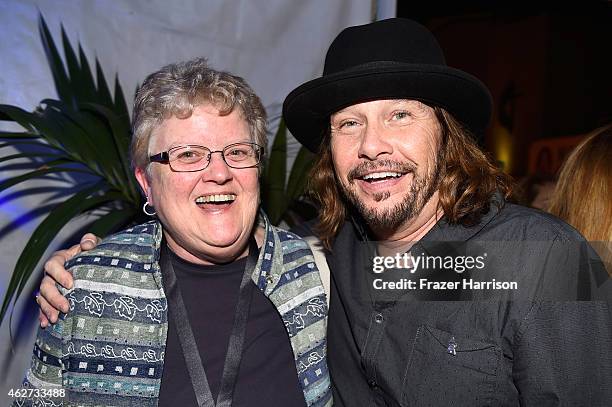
x=219, y=198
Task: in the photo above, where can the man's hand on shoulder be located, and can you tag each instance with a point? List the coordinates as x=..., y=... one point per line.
x=50, y=300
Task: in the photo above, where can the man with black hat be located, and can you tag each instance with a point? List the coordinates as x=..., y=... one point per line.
x=442, y=292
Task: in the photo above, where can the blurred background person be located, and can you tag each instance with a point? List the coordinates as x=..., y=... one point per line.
x=583, y=193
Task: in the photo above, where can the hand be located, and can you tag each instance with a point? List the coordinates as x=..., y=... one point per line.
x=50, y=300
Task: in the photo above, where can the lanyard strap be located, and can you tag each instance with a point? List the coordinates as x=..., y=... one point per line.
x=185, y=333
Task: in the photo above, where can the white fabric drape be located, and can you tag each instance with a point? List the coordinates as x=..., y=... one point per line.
x=274, y=44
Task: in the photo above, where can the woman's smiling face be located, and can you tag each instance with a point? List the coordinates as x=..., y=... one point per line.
x=197, y=229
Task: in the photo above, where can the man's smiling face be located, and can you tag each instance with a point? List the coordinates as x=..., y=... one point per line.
x=386, y=157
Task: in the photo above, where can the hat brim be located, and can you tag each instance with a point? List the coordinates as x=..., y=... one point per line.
x=307, y=108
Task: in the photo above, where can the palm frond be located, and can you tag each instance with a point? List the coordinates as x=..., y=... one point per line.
x=28, y=143
x=273, y=183
x=18, y=135
x=29, y=155
x=299, y=173
x=280, y=197
x=86, y=199
x=62, y=84
x=47, y=168
x=84, y=131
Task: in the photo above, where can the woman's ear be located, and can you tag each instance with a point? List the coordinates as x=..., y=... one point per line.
x=143, y=179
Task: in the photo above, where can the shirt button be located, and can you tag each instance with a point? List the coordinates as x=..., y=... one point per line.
x=378, y=318
x=269, y=279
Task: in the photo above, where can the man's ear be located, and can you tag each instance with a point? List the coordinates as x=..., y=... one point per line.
x=142, y=178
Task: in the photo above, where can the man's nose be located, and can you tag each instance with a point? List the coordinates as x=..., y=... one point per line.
x=374, y=143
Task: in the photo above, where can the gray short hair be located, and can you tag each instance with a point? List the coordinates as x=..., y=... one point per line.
x=176, y=89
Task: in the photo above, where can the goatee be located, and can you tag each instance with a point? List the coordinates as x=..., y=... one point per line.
x=421, y=191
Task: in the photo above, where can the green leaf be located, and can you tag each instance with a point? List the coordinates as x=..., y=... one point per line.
x=120, y=135
x=44, y=234
x=28, y=155
x=56, y=127
x=62, y=84
x=50, y=125
x=76, y=132
x=73, y=66
x=90, y=93
x=299, y=173
x=85, y=131
x=80, y=78
x=104, y=96
x=23, y=118
x=47, y=169
x=120, y=104
x=28, y=143
x=274, y=180
x=92, y=134
x=35, y=123
x=18, y=135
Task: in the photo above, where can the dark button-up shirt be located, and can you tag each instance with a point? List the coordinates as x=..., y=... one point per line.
x=534, y=345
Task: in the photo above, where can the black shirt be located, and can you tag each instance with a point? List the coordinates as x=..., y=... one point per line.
x=419, y=350
x=267, y=375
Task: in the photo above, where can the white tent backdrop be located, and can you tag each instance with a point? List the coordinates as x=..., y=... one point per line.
x=274, y=44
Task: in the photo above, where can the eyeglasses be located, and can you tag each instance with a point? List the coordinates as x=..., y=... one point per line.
x=191, y=158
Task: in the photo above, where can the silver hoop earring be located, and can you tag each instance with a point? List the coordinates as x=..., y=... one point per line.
x=144, y=209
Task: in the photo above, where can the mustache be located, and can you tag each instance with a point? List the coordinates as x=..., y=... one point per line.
x=386, y=165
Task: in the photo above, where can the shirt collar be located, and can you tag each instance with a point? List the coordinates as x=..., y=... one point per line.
x=442, y=230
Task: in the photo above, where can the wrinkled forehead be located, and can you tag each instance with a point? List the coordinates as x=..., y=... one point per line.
x=381, y=105
x=405, y=121
x=204, y=124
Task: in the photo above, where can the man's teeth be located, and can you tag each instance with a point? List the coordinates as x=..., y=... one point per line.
x=216, y=198
x=379, y=175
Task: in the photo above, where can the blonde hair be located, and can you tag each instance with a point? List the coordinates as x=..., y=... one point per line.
x=582, y=196
x=469, y=181
x=176, y=89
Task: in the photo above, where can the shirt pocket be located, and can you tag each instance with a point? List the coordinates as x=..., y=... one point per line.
x=448, y=369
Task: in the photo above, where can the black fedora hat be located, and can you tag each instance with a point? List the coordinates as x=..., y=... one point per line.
x=389, y=59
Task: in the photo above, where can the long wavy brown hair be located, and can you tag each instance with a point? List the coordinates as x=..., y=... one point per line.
x=469, y=180
x=583, y=191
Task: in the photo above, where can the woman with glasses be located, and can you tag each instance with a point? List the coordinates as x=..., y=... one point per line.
x=207, y=304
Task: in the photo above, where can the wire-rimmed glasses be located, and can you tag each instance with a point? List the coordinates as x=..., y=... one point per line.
x=192, y=157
